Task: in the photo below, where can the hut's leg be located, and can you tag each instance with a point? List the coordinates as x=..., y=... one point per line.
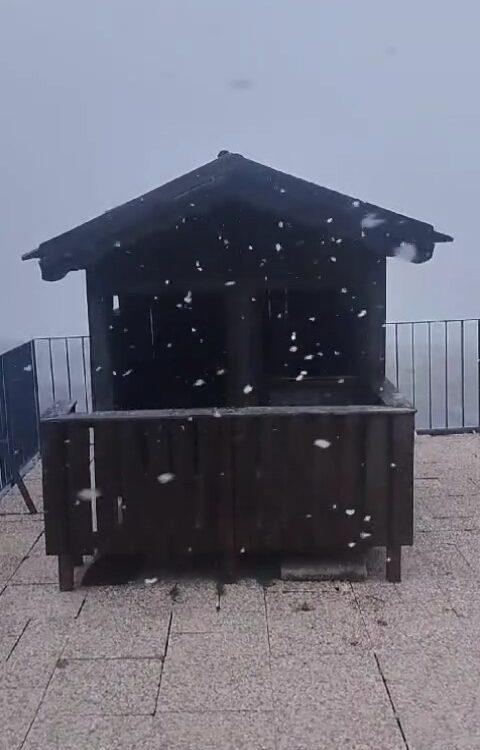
x=394, y=563
x=65, y=572
x=78, y=561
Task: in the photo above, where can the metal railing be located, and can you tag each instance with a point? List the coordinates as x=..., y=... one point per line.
x=435, y=363
x=19, y=411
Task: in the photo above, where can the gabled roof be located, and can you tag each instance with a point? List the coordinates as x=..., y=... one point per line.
x=234, y=179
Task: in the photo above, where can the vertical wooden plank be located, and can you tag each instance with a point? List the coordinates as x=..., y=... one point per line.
x=299, y=487
x=79, y=502
x=183, y=437
x=223, y=434
x=160, y=492
x=55, y=487
x=246, y=438
x=107, y=479
x=350, y=479
x=325, y=481
x=130, y=507
x=401, y=467
x=99, y=319
x=377, y=478
x=270, y=486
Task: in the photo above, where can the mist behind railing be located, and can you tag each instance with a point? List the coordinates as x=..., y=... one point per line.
x=435, y=364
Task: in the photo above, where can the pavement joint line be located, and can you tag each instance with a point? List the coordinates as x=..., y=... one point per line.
x=387, y=689
x=164, y=658
x=274, y=712
x=81, y=607
x=18, y=639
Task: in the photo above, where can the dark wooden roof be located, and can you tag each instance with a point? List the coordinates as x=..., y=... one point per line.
x=233, y=179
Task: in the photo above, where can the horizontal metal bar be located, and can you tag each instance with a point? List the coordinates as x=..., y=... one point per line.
x=448, y=431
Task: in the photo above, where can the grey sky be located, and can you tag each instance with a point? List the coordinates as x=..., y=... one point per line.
x=104, y=100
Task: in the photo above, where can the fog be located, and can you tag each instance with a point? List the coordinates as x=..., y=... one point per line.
x=102, y=101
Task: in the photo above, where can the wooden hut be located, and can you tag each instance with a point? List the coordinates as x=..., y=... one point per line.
x=237, y=324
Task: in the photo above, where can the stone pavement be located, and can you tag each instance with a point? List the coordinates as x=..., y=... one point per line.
x=291, y=666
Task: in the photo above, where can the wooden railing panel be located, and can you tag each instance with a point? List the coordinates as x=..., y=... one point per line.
x=79, y=489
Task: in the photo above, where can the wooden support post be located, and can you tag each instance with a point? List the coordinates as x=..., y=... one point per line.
x=394, y=561
x=99, y=317
x=18, y=480
x=244, y=337
x=65, y=572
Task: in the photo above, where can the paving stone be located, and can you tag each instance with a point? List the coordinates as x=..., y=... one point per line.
x=313, y=623
x=37, y=569
x=241, y=730
x=8, y=566
x=103, y=687
x=175, y=731
x=37, y=649
x=435, y=693
x=433, y=558
x=38, y=549
x=18, y=537
x=215, y=671
x=333, y=701
x=17, y=711
x=121, y=635
x=41, y=602
x=144, y=600
x=203, y=607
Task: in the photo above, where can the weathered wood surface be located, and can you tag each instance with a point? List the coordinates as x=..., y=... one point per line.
x=250, y=482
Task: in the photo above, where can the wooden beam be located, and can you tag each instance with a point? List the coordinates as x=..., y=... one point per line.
x=99, y=316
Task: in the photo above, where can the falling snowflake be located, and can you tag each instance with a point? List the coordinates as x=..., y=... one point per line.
x=88, y=493
x=293, y=335
x=333, y=259
x=341, y=380
x=280, y=224
x=167, y=281
x=329, y=220
x=216, y=412
x=301, y=375
x=308, y=356
x=278, y=247
x=322, y=443
x=126, y=373
x=367, y=519
x=352, y=544
x=150, y=581
x=166, y=477
x=28, y=368
x=282, y=190
x=230, y=283
x=188, y=298
x=393, y=466
x=350, y=511
x=308, y=515
x=242, y=550
x=198, y=383
x=355, y=204
x=361, y=314
x=293, y=349
x=312, y=319
x=117, y=243
x=247, y=389
x=221, y=371
x=344, y=290
x=365, y=535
